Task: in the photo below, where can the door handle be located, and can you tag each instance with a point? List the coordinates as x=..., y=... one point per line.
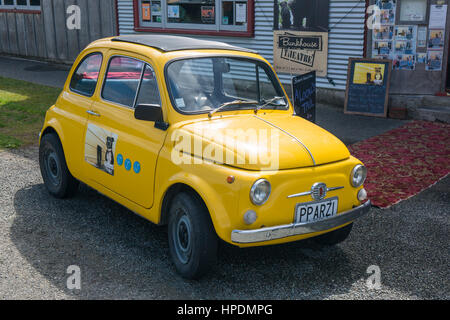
x=92, y=113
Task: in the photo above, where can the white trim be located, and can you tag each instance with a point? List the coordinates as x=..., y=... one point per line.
x=217, y=26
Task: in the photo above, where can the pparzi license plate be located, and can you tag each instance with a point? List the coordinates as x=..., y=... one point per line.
x=316, y=211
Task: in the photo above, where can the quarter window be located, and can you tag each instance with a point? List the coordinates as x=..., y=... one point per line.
x=84, y=79
x=148, y=91
x=122, y=80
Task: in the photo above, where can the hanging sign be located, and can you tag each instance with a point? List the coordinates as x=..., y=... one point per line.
x=298, y=52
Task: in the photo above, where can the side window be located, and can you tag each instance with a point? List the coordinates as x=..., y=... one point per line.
x=148, y=92
x=122, y=80
x=84, y=79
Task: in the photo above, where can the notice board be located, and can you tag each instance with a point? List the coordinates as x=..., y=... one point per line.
x=367, y=90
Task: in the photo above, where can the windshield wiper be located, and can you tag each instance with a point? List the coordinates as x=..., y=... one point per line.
x=270, y=102
x=226, y=104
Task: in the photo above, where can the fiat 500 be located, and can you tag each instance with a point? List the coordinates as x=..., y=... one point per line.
x=199, y=136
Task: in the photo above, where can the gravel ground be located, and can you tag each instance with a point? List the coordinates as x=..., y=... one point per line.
x=122, y=256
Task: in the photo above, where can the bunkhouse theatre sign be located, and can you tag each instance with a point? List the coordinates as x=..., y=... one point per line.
x=301, y=36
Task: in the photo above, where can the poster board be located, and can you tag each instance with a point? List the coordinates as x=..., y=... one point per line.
x=298, y=52
x=304, y=95
x=367, y=89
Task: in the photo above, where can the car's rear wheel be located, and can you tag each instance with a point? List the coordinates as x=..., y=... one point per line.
x=334, y=237
x=57, y=178
x=192, y=239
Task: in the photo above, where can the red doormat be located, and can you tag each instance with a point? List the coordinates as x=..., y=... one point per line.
x=404, y=161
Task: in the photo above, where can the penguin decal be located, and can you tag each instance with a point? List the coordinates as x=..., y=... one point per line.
x=100, y=148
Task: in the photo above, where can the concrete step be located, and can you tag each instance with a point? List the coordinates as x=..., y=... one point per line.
x=436, y=101
x=435, y=113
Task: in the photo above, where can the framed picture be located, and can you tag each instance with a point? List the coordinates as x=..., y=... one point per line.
x=413, y=11
x=367, y=87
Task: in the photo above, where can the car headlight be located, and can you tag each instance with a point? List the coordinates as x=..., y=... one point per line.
x=260, y=192
x=358, y=175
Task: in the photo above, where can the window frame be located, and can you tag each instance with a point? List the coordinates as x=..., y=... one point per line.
x=76, y=69
x=216, y=29
x=28, y=8
x=105, y=77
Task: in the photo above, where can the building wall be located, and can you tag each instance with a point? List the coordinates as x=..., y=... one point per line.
x=44, y=35
x=418, y=81
x=346, y=38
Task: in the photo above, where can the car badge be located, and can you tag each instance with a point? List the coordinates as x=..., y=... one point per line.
x=319, y=191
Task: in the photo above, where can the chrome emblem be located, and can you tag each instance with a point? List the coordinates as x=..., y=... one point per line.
x=319, y=191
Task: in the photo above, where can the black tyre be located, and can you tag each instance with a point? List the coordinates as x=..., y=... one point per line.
x=334, y=237
x=57, y=178
x=192, y=239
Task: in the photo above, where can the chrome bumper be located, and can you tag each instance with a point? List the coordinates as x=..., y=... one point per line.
x=294, y=229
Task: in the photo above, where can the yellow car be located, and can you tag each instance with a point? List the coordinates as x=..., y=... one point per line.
x=199, y=136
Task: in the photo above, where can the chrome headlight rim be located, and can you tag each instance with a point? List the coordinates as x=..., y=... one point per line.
x=253, y=189
x=352, y=175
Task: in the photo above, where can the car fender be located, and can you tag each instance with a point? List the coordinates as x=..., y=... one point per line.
x=217, y=208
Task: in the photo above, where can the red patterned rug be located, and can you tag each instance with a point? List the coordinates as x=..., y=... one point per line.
x=404, y=161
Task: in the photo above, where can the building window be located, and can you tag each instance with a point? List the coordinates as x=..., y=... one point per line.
x=32, y=5
x=227, y=17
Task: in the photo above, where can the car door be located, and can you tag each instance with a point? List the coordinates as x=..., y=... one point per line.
x=120, y=151
x=76, y=101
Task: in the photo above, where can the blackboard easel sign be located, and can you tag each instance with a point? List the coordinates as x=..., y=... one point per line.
x=304, y=95
x=367, y=90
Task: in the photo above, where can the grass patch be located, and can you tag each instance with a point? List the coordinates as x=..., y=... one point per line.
x=22, y=111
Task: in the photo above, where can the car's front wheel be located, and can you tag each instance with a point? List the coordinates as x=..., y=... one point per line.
x=192, y=239
x=57, y=178
x=334, y=237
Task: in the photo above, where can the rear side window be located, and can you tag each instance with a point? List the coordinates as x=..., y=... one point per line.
x=84, y=79
x=122, y=80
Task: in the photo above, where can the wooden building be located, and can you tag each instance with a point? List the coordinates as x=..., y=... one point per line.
x=37, y=28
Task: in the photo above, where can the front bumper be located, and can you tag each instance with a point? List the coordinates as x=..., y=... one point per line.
x=294, y=229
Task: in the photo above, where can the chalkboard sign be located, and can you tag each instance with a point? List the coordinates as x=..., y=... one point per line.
x=368, y=86
x=304, y=95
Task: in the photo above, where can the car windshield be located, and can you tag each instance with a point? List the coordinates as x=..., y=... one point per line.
x=209, y=85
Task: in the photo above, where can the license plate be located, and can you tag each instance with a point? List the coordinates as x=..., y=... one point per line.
x=316, y=211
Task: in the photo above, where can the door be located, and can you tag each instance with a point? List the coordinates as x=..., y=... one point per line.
x=120, y=151
x=76, y=101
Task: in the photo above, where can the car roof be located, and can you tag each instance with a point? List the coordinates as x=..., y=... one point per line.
x=168, y=43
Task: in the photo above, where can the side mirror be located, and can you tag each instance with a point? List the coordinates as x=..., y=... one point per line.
x=148, y=112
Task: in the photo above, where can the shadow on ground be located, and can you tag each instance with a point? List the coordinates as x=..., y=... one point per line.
x=123, y=256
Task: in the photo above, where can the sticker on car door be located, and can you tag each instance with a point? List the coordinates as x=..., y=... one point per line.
x=100, y=148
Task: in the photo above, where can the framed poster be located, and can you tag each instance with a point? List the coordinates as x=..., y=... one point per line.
x=301, y=15
x=146, y=15
x=413, y=11
x=434, y=60
x=422, y=37
x=304, y=95
x=367, y=87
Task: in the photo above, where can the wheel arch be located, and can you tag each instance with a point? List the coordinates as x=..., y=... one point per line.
x=218, y=215
x=170, y=193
